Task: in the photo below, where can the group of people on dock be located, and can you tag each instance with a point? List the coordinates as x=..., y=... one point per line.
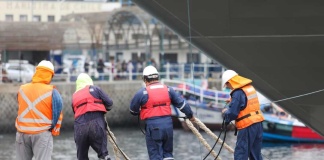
x=40, y=115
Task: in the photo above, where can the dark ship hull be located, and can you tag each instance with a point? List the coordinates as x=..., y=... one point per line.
x=278, y=44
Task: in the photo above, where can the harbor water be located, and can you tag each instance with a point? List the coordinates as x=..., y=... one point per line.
x=186, y=147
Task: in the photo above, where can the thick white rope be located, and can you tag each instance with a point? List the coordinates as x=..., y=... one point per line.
x=200, y=137
x=116, y=153
x=115, y=147
x=210, y=133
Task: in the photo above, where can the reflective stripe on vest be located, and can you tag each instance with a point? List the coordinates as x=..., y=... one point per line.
x=32, y=124
x=252, y=113
x=32, y=106
x=56, y=129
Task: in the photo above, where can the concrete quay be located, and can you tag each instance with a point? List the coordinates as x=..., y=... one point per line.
x=121, y=93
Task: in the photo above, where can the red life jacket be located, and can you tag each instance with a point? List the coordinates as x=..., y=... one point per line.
x=158, y=103
x=83, y=102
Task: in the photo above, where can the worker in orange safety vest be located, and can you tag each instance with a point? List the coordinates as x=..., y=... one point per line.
x=39, y=115
x=244, y=108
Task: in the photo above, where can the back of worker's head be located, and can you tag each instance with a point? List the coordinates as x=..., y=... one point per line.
x=47, y=65
x=44, y=72
x=227, y=75
x=150, y=74
x=82, y=81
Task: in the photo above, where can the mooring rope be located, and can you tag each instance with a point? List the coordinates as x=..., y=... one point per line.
x=112, y=140
x=210, y=133
x=116, y=153
x=200, y=137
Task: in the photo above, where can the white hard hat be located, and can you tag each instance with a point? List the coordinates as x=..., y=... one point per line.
x=227, y=75
x=47, y=64
x=149, y=70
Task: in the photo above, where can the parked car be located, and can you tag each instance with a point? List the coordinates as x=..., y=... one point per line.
x=4, y=76
x=21, y=72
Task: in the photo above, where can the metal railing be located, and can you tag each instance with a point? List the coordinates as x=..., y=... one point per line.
x=201, y=91
x=167, y=71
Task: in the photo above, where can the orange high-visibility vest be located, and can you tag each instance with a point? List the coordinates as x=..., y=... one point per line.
x=35, y=109
x=251, y=113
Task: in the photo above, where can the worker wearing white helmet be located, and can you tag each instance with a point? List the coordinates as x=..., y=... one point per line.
x=37, y=125
x=152, y=104
x=244, y=108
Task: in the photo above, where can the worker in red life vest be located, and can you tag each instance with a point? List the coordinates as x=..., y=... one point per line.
x=39, y=115
x=244, y=108
x=152, y=103
x=89, y=104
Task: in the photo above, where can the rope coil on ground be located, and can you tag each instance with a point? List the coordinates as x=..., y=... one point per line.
x=210, y=133
x=199, y=136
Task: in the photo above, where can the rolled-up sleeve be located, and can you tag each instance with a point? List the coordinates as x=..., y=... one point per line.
x=57, y=106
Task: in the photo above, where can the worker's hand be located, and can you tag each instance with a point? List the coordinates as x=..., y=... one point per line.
x=228, y=100
x=192, y=119
x=223, y=111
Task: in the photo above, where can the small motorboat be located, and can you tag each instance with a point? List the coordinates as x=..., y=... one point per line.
x=281, y=126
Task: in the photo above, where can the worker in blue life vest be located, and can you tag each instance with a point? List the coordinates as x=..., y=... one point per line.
x=244, y=108
x=152, y=103
x=89, y=104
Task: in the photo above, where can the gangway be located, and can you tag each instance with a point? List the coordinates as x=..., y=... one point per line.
x=206, y=104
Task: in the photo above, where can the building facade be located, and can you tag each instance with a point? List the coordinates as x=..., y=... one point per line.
x=36, y=30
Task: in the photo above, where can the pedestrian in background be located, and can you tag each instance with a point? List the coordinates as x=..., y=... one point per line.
x=39, y=115
x=244, y=108
x=90, y=104
x=152, y=103
x=100, y=69
x=86, y=66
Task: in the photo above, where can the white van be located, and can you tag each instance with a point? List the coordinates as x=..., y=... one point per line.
x=19, y=70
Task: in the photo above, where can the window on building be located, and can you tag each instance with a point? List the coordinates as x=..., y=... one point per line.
x=51, y=18
x=9, y=17
x=119, y=56
x=169, y=57
x=139, y=56
x=107, y=55
x=134, y=56
x=142, y=57
x=23, y=18
x=193, y=58
x=36, y=18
